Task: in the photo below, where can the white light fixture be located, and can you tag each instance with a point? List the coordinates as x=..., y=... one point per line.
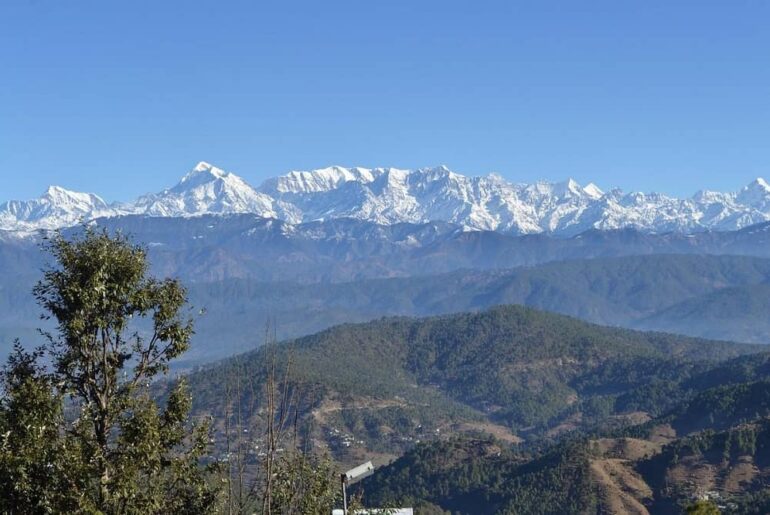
x=350, y=477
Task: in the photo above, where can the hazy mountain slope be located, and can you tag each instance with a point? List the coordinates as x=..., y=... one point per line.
x=629, y=291
x=740, y=312
x=245, y=246
x=214, y=247
x=618, y=291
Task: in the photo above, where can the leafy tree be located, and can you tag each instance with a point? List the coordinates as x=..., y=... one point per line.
x=33, y=478
x=305, y=485
x=702, y=508
x=118, y=329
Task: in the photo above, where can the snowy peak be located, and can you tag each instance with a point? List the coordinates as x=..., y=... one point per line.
x=205, y=175
x=593, y=191
x=392, y=195
x=568, y=188
x=207, y=189
x=572, y=189
x=203, y=172
x=57, y=207
x=57, y=194
x=315, y=181
x=203, y=166
x=760, y=183
x=57, y=201
x=755, y=194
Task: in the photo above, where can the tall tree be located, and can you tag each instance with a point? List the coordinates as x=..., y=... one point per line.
x=33, y=473
x=117, y=330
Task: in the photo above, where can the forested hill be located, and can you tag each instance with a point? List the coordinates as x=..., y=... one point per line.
x=715, y=443
x=511, y=371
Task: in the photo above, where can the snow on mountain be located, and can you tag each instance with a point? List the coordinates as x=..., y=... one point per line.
x=210, y=190
x=323, y=179
x=390, y=195
x=756, y=195
x=57, y=207
x=593, y=191
x=490, y=202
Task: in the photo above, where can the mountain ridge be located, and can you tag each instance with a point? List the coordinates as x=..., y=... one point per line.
x=389, y=196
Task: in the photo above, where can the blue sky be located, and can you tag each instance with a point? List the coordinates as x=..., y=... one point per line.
x=123, y=97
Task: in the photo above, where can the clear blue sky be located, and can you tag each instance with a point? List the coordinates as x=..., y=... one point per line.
x=122, y=97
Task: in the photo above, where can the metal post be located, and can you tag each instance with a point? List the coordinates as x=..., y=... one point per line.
x=344, y=496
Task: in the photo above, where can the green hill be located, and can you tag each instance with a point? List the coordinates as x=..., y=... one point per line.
x=482, y=477
x=511, y=371
x=714, y=443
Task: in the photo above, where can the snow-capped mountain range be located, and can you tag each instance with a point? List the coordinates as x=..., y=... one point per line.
x=390, y=195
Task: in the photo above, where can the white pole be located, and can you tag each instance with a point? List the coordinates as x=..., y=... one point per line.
x=344, y=498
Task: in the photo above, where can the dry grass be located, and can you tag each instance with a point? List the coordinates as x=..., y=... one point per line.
x=502, y=433
x=739, y=476
x=626, y=448
x=621, y=489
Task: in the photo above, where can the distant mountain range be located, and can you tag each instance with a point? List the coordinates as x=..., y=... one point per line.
x=242, y=246
x=388, y=196
x=249, y=254
x=716, y=297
